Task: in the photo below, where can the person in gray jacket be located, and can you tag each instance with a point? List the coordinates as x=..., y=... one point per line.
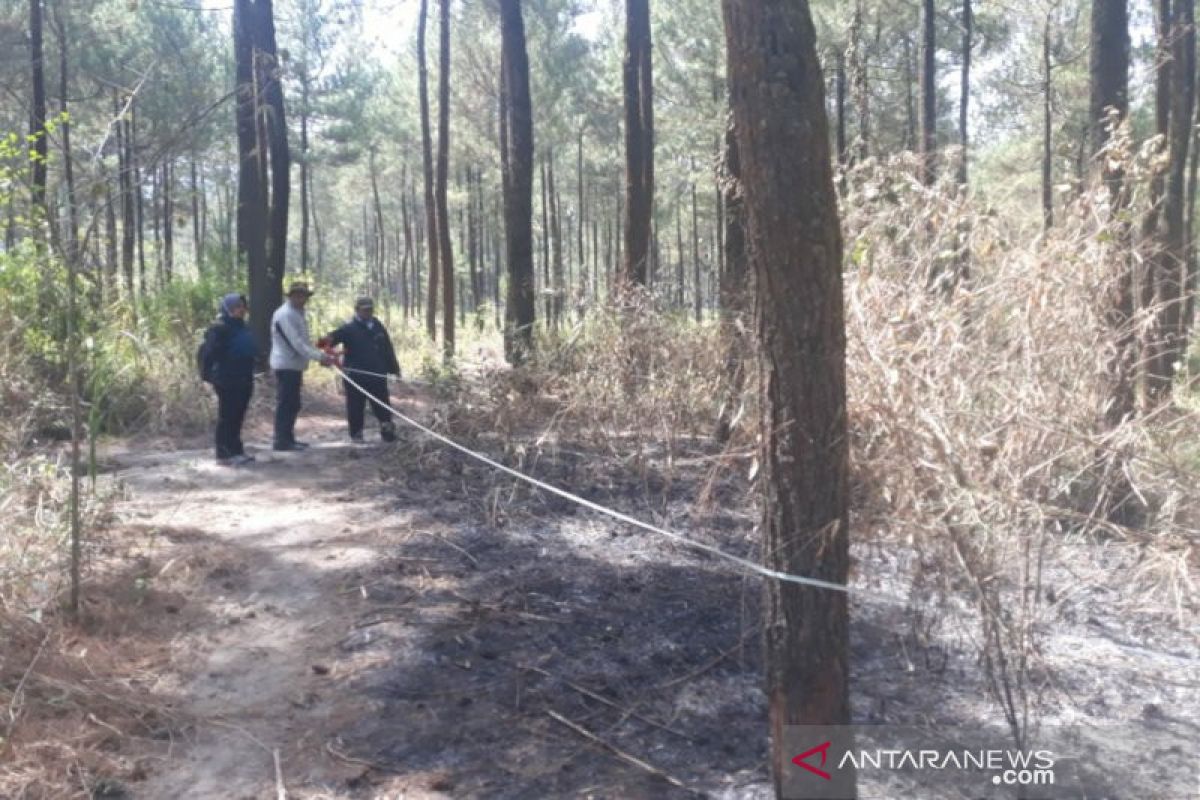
x=291, y=350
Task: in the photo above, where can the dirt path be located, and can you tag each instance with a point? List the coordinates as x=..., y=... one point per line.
x=272, y=553
x=396, y=622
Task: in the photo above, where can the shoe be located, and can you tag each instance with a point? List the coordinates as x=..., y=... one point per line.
x=227, y=462
x=242, y=459
x=357, y=438
x=387, y=432
x=301, y=445
x=286, y=447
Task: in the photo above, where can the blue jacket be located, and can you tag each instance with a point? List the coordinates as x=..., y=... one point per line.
x=366, y=348
x=229, y=353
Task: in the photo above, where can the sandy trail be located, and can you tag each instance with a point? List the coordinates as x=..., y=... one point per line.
x=272, y=547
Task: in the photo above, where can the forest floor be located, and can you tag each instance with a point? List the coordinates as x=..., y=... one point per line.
x=389, y=621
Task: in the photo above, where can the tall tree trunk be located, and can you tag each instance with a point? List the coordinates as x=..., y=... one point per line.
x=579, y=210
x=445, y=249
x=305, y=93
x=252, y=198
x=380, y=233
x=197, y=221
x=556, y=248
x=168, y=178
x=431, y=223
x=968, y=22
x=125, y=175
x=276, y=122
x=860, y=85
x=1171, y=268
x=910, y=111
x=406, y=258
x=547, y=283
x=37, y=114
x=1109, y=77
x=70, y=235
x=1047, y=131
x=639, y=141
x=782, y=135
x=735, y=274
x=680, y=280
x=1108, y=66
x=840, y=105
x=698, y=297
x=928, y=93
x=138, y=195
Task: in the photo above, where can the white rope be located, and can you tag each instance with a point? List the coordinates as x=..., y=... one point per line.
x=617, y=515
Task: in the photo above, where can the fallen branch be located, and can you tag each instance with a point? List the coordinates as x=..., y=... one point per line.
x=602, y=699
x=618, y=752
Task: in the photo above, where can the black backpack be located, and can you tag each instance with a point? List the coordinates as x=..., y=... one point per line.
x=209, y=350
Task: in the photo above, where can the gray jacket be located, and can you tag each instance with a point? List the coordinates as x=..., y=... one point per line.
x=291, y=345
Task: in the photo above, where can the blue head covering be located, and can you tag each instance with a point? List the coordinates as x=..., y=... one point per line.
x=229, y=302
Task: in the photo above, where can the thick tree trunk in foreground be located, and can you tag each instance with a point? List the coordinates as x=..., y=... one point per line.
x=776, y=93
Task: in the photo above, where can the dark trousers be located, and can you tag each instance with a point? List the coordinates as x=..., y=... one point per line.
x=287, y=404
x=232, y=402
x=356, y=403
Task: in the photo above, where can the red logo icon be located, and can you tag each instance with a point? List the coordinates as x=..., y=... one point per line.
x=823, y=749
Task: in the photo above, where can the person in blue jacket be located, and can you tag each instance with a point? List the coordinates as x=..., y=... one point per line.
x=368, y=358
x=227, y=362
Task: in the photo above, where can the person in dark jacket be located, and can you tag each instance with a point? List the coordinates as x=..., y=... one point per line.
x=228, y=356
x=368, y=359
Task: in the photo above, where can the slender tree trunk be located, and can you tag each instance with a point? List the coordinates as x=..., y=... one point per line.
x=928, y=93
x=968, y=22
x=680, y=281
x=138, y=196
x=698, y=298
x=547, y=284
x=556, y=248
x=1047, y=131
x=128, y=215
x=776, y=91
x=380, y=233
x=305, y=93
x=37, y=114
x=639, y=141
x=910, y=111
x=431, y=223
x=406, y=258
x=71, y=234
x=445, y=249
x=197, y=221
x=735, y=274
x=840, y=106
x=579, y=209
x=168, y=220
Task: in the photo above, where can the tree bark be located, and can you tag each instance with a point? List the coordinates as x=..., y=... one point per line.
x=276, y=124
x=1108, y=66
x=968, y=22
x=1170, y=269
x=252, y=197
x=840, y=105
x=776, y=92
x=734, y=287
x=639, y=142
x=37, y=114
x=445, y=248
x=928, y=93
x=431, y=223
x=1047, y=131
